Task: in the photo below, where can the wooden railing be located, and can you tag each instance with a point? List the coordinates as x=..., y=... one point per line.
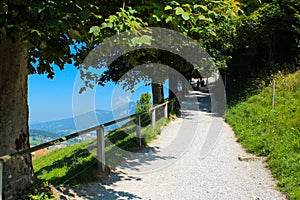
x=100, y=138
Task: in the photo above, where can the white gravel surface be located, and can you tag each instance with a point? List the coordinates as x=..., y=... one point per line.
x=195, y=157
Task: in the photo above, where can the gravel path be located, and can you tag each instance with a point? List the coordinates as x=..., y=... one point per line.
x=195, y=157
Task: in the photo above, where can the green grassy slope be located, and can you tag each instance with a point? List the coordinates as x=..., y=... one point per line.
x=64, y=164
x=274, y=133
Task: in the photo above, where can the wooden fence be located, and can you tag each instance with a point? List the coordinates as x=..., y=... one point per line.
x=100, y=138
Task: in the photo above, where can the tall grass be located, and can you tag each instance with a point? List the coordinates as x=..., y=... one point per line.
x=274, y=133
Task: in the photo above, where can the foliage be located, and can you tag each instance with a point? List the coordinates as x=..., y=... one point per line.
x=144, y=103
x=48, y=28
x=211, y=23
x=273, y=133
x=40, y=191
x=249, y=6
x=268, y=39
x=267, y=42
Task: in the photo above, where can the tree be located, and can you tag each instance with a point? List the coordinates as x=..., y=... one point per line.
x=268, y=40
x=144, y=103
x=211, y=23
x=35, y=35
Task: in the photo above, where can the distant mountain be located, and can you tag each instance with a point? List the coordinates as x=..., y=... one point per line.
x=41, y=133
x=66, y=126
x=40, y=136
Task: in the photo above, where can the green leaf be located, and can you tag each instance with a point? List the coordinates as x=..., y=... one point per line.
x=78, y=7
x=146, y=39
x=39, y=33
x=188, y=6
x=135, y=41
x=112, y=18
x=134, y=24
x=175, y=3
x=168, y=7
x=213, y=33
x=97, y=16
x=202, y=18
x=156, y=17
x=132, y=11
x=169, y=19
x=107, y=25
x=3, y=8
x=179, y=11
x=201, y=6
x=195, y=29
x=138, y=41
x=95, y=30
x=141, y=21
x=185, y=16
x=41, y=10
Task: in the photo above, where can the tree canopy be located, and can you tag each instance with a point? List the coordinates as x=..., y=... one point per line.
x=48, y=28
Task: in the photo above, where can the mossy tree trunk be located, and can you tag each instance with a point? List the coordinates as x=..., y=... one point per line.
x=14, y=131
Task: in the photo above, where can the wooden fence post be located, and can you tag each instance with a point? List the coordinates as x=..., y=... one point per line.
x=138, y=131
x=1, y=179
x=101, y=149
x=273, y=94
x=166, y=110
x=153, y=119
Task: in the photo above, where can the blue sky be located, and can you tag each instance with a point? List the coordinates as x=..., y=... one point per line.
x=51, y=99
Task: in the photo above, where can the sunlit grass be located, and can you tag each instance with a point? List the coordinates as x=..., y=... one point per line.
x=274, y=133
x=63, y=165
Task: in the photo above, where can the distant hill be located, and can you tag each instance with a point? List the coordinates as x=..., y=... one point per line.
x=66, y=126
x=41, y=133
x=40, y=136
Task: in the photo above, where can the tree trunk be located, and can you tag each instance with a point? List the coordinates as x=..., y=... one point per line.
x=158, y=93
x=158, y=98
x=14, y=131
x=173, y=91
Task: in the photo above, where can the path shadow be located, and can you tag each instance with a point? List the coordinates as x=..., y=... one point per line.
x=195, y=101
x=141, y=160
x=145, y=157
x=93, y=191
x=105, y=190
x=201, y=101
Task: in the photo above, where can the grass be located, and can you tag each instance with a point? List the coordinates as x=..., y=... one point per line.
x=40, y=191
x=62, y=165
x=274, y=133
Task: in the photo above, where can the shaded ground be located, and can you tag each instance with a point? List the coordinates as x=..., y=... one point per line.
x=195, y=157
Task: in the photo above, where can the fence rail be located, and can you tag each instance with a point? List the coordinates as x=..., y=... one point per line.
x=100, y=138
